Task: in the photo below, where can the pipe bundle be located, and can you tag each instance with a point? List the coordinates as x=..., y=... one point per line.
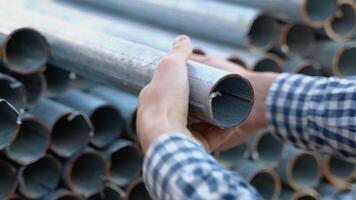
x=70, y=72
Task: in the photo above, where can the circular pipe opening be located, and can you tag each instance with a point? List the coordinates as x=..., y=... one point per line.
x=12, y=91
x=230, y=158
x=263, y=33
x=87, y=173
x=301, y=176
x=308, y=194
x=125, y=165
x=107, y=124
x=70, y=134
x=342, y=25
x=344, y=62
x=267, y=65
x=267, y=184
x=138, y=192
x=8, y=124
x=40, y=178
x=57, y=79
x=340, y=169
x=268, y=150
x=110, y=192
x=310, y=70
x=35, y=86
x=232, y=101
x=316, y=12
x=7, y=180
x=297, y=40
x=26, y=51
x=31, y=142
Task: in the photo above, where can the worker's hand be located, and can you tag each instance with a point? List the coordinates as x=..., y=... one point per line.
x=163, y=103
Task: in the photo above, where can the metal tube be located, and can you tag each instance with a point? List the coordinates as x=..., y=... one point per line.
x=292, y=168
x=86, y=172
x=309, y=194
x=326, y=189
x=137, y=191
x=124, y=101
x=337, y=171
x=125, y=162
x=58, y=80
x=40, y=178
x=342, y=25
x=23, y=50
x=106, y=119
x=217, y=97
x=12, y=91
x=265, y=180
x=31, y=141
x=314, y=13
x=286, y=192
x=265, y=149
x=232, y=157
x=8, y=180
x=337, y=56
x=306, y=67
x=70, y=130
x=110, y=192
x=35, y=86
x=62, y=194
x=236, y=25
x=297, y=40
x=9, y=124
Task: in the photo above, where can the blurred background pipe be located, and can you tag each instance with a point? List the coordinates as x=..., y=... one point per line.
x=58, y=80
x=265, y=180
x=23, y=50
x=110, y=192
x=286, y=192
x=338, y=56
x=314, y=13
x=106, y=119
x=62, y=194
x=293, y=170
x=337, y=171
x=40, y=178
x=35, y=86
x=137, y=191
x=9, y=124
x=8, y=180
x=70, y=130
x=232, y=157
x=86, y=172
x=326, y=189
x=306, y=67
x=31, y=142
x=13, y=91
x=132, y=65
x=256, y=30
x=265, y=149
x=125, y=162
x=307, y=194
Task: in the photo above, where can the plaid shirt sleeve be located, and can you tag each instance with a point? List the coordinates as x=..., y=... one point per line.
x=316, y=114
x=178, y=167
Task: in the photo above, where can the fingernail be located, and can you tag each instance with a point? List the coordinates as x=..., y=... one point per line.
x=181, y=38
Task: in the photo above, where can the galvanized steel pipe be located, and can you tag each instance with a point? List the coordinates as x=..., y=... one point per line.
x=306, y=67
x=58, y=80
x=13, y=91
x=337, y=171
x=232, y=157
x=9, y=124
x=8, y=180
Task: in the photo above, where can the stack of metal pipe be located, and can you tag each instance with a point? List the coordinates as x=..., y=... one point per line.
x=70, y=72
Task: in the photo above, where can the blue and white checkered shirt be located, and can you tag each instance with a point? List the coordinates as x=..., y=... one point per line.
x=310, y=113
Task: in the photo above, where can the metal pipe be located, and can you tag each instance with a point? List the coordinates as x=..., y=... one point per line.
x=35, y=86
x=218, y=97
x=124, y=101
x=342, y=25
x=125, y=162
x=62, y=194
x=31, y=141
x=137, y=191
x=70, y=130
x=297, y=40
x=110, y=192
x=326, y=189
x=230, y=158
x=337, y=56
x=23, y=50
x=235, y=25
x=265, y=180
x=314, y=13
x=307, y=194
x=306, y=67
x=9, y=124
x=86, y=172
x=106, y=119
x=40, y=178
x=337, y=171
x=286, y=192
x=58, y=80
x=265, y=149
x=8, y=180
x=13, y=91
x=292, y=168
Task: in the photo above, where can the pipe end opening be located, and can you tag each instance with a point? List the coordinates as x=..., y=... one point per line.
x=318, y=11
x=299, y=40
x=345, y=64
x=263, y=33
x=8, y=124
x=305, y=177
x=267, y=65
x=266, y=184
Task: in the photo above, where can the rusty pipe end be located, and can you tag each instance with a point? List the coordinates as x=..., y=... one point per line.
x=343, y=61
x=262, y=33
x=9, y=124
x=267, y=183
x=337, y=171
x=316, y=12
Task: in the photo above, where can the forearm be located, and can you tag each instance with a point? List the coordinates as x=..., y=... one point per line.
x=178, y=167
